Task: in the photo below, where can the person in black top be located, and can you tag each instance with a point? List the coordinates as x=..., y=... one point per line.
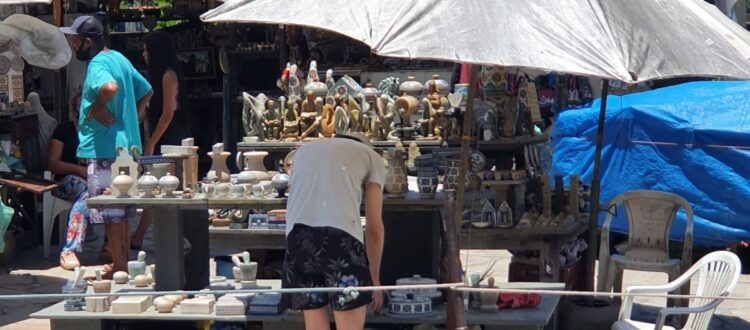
x=164, y=120
x=72, y=175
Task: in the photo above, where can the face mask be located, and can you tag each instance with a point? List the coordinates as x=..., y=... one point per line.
x=83, y=54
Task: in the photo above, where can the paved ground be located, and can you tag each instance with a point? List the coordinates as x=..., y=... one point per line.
x=31, y=273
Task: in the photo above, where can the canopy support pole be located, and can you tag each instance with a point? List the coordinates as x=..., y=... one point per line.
x=456, y=318
x=592, y=239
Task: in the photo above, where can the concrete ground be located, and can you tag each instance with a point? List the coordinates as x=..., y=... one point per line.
x=30, y=273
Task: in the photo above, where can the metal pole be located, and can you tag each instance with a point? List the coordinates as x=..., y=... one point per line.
x=592, y=239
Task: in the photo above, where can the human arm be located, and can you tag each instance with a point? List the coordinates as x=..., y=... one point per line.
x=99, y=109
x=170, y=88
x=374, y=235
x=55, y=163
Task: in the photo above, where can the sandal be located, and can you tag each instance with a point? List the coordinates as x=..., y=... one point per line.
x=69, y=260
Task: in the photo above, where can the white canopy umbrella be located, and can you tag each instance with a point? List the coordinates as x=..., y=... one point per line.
x=39, y=43
x=23, y=2
x=630, y=41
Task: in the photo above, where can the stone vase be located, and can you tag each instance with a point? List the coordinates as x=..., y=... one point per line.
x=451, y=174
x=396, y=183
x=254, y=164
x=219, y=170
x=427, y=180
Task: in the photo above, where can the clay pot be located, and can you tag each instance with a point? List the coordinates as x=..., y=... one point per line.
x=411, y=87
x=319, y=88
x=451, y=175
x=223, y=189
x=254, y=160
x=103, y=286
x=427, y=180
x=163, y=305
x=396, y=183
x=120, y=277
x=148, y=183
x=248, y=272
x=280, y=182
x=168, y=184
x=123, y=182
x=141, y=281
x=247, y=177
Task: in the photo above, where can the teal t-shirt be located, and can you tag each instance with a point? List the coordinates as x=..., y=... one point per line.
x=96, y=140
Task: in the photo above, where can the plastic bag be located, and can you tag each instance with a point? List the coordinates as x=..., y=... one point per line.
x=6, y=215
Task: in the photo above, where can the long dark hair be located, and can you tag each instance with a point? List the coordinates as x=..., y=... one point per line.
x=162, y=56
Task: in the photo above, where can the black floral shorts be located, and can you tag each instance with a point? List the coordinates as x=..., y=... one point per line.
x=324, y=257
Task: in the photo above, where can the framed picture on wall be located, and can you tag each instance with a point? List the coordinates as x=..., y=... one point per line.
x=197, y=63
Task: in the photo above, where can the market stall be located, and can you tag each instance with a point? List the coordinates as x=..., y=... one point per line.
x=499, y=170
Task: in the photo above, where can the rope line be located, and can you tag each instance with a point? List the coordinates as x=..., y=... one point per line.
x=354, y=290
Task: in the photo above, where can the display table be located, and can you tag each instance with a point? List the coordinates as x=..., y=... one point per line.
x=178, y=217
x=412, y=236
x=527, y=318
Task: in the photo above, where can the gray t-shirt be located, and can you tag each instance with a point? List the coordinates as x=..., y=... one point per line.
x=327, y=181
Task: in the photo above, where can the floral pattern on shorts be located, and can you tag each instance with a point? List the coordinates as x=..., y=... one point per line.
x=324, y=257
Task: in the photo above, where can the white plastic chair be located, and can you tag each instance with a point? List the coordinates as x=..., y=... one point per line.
x=52, y=207
x=718, y=273
x=650, y=215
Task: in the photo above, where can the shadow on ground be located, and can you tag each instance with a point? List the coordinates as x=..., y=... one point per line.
x=12, y=311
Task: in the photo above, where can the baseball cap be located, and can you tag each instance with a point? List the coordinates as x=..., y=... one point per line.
x=85, y=26
x=358, y=136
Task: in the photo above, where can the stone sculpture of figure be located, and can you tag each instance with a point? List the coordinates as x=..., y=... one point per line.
x=329, y=81
x=340, y=116
x=272, y=120
x=435, y=104
x=308, y=121
x=252, y=115
x=290, y=132
x=295, y=83
x=312, y=74
x=327, y=127
x=366, y=116
x=356, y=117
x=405, y=106
x=283, y=82
x=379, y=121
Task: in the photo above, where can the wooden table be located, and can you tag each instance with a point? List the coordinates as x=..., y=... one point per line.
x=548, y=241
x=413, y=236
x=540, y=317
x=178, y=217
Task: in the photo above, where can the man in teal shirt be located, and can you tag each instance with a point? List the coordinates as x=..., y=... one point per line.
x=113, y=96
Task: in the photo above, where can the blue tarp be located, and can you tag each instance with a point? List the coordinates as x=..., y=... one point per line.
x=691, y=139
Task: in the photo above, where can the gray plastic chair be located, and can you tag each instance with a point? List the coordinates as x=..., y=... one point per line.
x=650, y=215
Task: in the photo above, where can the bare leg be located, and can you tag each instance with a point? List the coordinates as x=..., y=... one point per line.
x=351, y=319
x=137, y=239
x=317, y=319
x=118, y=237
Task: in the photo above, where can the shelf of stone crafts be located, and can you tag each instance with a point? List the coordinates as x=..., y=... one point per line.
x=410, y=201
x=510, y=143
x=519, y=318
x=517, y=238
x=289, y=146
x=505, y=183
x=197, y=201
x=57, y=312
x=247, y=238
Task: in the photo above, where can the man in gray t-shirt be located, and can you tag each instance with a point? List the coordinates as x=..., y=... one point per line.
x=326, y=246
